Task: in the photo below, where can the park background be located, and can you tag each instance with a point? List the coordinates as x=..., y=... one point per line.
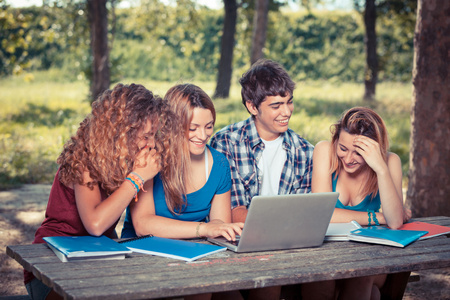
x=46, y=78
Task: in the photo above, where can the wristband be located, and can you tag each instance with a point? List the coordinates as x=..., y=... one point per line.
x=135, y=187
x=139, y=176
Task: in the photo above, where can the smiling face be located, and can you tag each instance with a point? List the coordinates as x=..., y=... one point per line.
x=346, y=152
x=200, y=130
x=272, y=116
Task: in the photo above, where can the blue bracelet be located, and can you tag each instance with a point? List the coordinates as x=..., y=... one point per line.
x=134, y=183
x=368, y=213
x=375, y=220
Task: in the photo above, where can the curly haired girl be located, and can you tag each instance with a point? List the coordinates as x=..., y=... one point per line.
x=118, y=147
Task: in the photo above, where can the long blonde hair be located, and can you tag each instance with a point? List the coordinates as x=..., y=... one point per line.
x=361, y=121
x=183, y=99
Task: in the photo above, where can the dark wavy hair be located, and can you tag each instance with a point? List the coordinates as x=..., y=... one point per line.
x=106, y=143
x=265, y=78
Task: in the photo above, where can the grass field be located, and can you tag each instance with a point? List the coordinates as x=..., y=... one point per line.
x=40, y=112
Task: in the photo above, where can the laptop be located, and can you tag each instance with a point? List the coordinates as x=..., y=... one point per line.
x=281, y=222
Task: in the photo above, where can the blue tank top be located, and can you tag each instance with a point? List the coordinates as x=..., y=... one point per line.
x=367, y=204
x=198, y=203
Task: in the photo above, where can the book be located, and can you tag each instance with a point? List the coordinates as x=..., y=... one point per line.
x=77, y=248
x=433, y=229
x=340, y=231
x=177, y=249
x=385, y=236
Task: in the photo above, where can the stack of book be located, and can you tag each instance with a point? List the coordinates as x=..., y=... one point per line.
x=77, y=248
x=383, y=235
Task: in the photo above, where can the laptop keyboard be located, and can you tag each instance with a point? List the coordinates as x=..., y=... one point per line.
x=236, y=242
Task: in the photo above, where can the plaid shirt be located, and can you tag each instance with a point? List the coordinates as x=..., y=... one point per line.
x=243, y=147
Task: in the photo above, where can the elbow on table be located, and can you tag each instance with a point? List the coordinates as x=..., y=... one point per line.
x=95, y=229
x=139, y=229
x=395, y=224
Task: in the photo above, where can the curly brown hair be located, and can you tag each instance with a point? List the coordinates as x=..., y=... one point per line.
x=106, y=143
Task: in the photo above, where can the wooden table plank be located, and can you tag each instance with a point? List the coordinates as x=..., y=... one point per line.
x=247, y=279
x=145, y=276
x=306, y=269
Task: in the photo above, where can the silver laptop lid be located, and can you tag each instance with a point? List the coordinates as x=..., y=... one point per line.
x=287, y=221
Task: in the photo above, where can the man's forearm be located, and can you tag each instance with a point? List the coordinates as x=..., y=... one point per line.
x=239, y=214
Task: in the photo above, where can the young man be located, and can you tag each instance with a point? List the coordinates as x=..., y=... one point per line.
x=266, y=157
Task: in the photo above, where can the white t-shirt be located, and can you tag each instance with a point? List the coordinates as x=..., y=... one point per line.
x=271, y=164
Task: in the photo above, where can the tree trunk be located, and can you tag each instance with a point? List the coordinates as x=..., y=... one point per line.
x=98, y=19
x=429, y=174
x=371, y=70
x=259, y=29
x=226, y=50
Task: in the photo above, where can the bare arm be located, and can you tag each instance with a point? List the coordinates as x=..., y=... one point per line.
x=322, y=182
x=145, y=220
x=220, y=216
x=390, y=189
x=97, y=215
x=239, y=214
x=389, y=176
x=390, y=201
x=321, y=178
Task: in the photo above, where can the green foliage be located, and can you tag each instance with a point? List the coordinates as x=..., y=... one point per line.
x=55, y=35
x=161, y=41
x=15, y=40
x=325, y=45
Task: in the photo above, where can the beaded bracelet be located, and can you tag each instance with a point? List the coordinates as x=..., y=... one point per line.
x=374, y=216
x=375, y=220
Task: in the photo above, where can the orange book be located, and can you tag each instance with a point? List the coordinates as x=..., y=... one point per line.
x=433, y=229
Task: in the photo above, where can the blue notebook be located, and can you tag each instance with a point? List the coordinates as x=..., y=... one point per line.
x=74, y=248
x=385, y=236
x=172, y=248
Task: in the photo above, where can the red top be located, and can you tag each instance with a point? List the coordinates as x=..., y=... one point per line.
x=62, y=218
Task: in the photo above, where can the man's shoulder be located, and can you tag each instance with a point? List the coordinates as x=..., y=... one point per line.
x=297, y=141
x=233, y=132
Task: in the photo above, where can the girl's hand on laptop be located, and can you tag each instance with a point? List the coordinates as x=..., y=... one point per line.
x=217, y=228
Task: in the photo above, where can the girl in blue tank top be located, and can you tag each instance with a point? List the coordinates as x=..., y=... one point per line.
x=197, y=203
x=357, y=164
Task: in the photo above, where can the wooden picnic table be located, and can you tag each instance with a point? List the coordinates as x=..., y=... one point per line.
x=143, y=276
